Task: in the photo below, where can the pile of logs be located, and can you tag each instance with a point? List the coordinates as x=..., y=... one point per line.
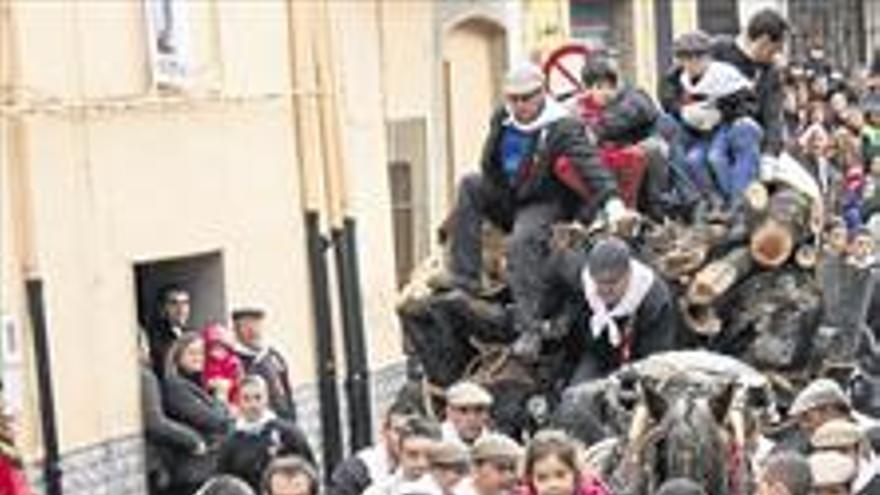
x=767, y=281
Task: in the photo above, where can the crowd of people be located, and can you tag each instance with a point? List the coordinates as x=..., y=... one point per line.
x=731, y=112
x=218, y=408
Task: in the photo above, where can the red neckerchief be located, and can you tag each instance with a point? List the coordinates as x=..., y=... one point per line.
x=624, y=352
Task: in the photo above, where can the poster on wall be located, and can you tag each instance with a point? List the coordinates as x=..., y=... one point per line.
x=168, y=42
x=12, y=364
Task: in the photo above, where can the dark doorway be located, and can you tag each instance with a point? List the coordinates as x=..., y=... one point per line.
x=200, y=274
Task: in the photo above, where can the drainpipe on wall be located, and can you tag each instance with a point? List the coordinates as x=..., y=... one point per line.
x=20, y=193
x=301, y=19
x=52, y=458
x=357, y=377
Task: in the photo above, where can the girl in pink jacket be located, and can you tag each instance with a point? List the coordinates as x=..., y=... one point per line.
x=552, y=467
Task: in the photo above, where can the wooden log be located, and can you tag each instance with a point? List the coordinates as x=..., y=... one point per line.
x=677, y=251
x=702, y=319
x=774, y=239
x=719, y=276
x=807, y=256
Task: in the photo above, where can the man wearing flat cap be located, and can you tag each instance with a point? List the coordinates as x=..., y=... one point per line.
x=832, y=473
x=450, y=464
x=496, y=459
x=259, y=358
x=538, y=167
x=822, y=400
x=621, y=310
x=847, y=438
x=467, y=413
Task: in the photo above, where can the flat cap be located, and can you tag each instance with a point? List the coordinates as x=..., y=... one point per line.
x=523, y=78
x=831, y=468
x=837, y=433
x=248, y=312
x=818, y=393
x=694, y=42
x=450, y=453
x=495, y=446
x=467, y=393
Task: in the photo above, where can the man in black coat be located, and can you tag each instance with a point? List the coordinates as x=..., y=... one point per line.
x=621, y=311
x=754, y=54
x=172, y=318
x=538, y=167
x=261, y=359
x=259, y=436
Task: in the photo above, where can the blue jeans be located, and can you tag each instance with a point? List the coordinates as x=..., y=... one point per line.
x=688, y=179
x=734, y=156
x=722, y=163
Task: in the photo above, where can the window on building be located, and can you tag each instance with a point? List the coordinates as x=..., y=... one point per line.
x=718, y=16
x=168, y=42
x=400, y=178
x=201, y=275
x=606, y=25
x=836, y=26
x=407, y=178
x=592, y=21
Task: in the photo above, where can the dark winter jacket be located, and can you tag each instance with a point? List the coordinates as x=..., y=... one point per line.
x=673, y=97
x=654, y=327
x=562, y=140
x=356, y=473
x=271, y=366
x=872, y=487
x=351, y=477
x=185, y=401
x=247, y=452
x=628, y=118
x=161, y=335
x=164, y=436
x=768, y=87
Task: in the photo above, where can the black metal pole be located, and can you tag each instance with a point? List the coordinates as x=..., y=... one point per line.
x=357, y=379
x=52, y=459
x=326, y=361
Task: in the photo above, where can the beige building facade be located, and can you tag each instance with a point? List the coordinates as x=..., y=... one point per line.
x=127, y=165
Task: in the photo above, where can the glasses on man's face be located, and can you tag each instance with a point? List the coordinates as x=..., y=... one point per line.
x=178, y=301
x=690, y=55
x=524, y=98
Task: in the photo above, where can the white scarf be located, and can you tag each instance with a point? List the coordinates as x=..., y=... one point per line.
x=551, y=112
x=719, y=80
x=379, y=464
x=602, y=321
x=244, y=425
